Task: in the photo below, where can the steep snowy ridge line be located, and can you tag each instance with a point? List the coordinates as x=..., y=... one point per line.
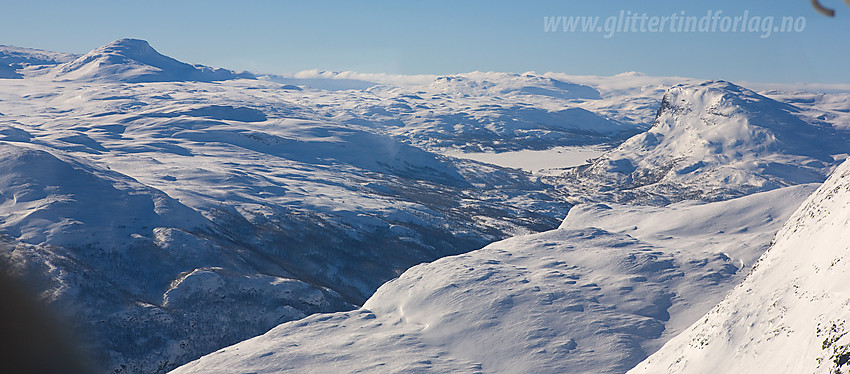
x=790, y=314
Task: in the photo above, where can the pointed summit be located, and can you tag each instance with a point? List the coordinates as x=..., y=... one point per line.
x=716, y=140
x=134, y=61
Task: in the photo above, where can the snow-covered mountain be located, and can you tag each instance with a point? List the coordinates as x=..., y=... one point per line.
x=714, y=140
x=15, y=60
x=134, y=61
x=25, y=57
x=594, y=296
x=144, y=211
x=252, y=249
x=477, y=112
x=790, y=314
x=167, y=215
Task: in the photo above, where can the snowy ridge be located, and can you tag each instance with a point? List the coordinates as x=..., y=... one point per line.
x=791, y=312
x=481, y=84
x=713, y=141
x=25, y=57
x=15, y=62
x=578, y=299
x=48, y=200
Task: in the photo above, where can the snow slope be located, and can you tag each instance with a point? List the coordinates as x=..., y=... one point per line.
x=790, y=314
x=169, y=213
x=103, y=248
x=714, y=140
x=594, y=296
x=64, y=202
x=16, y=61
x=25, y=57
x=134, y=61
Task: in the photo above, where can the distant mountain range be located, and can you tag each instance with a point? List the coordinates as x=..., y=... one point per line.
x=135, y=61
x=124, y=60
x=168, y=210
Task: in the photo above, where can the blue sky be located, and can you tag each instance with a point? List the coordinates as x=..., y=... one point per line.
x=441, y=37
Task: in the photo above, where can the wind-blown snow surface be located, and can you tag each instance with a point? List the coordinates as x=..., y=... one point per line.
x=579, y=299
x=790, y=314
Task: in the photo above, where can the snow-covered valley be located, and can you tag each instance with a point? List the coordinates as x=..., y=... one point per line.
x=378, y=223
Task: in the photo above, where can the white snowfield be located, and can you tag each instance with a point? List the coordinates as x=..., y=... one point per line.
x=593, y=296
x=171, y=209
x=790, y=315
x=60, y=201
